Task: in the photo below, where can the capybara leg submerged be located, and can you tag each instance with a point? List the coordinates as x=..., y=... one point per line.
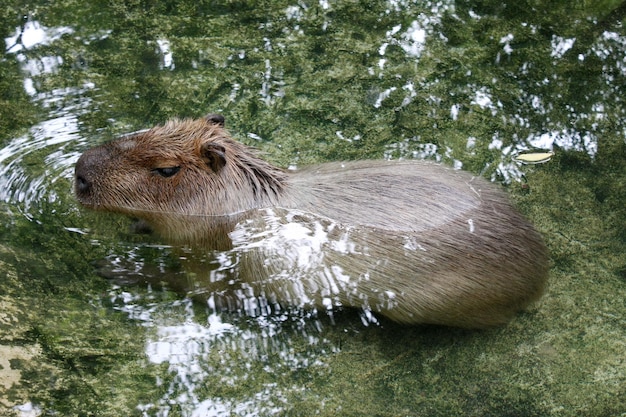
x=415, y=241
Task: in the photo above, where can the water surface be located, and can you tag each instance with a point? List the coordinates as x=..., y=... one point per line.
x=87, y=326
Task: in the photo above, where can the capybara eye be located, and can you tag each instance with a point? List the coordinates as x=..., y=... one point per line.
x=167, y=171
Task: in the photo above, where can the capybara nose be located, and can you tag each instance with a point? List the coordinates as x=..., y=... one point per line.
x=86, y=169
x=81, y=173
x=82, y=184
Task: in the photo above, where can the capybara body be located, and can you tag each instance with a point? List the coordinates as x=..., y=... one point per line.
x=415, y=241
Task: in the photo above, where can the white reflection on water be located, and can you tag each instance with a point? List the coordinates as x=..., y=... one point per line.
x=34, y=34
x=30, y=36
x=32, y=163
x=413, y=39
x=20, y=181
x=165, y=50
x=216, y=353
x=561, y=45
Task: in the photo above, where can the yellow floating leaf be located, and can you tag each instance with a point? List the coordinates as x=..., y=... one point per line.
x=534, y=157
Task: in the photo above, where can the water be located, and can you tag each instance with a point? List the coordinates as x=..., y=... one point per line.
x=469, y=84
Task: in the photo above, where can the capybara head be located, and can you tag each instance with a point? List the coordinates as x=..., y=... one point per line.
x=185, y=167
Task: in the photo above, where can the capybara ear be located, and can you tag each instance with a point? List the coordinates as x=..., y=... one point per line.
x=214, y=155
x=216, y=119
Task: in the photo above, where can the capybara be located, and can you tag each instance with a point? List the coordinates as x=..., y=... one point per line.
x=415, y=241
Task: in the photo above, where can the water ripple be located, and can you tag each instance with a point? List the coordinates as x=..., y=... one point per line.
x=32, y=163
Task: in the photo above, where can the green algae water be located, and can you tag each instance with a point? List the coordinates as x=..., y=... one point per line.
x=89, y=326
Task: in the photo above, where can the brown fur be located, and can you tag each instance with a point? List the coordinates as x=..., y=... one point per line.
x=415, y=241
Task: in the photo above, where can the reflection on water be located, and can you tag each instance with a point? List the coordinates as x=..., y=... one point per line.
x=217, y=353
x=30, y=36
x=24, y=180
x=33, y=34
x=31, y=164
